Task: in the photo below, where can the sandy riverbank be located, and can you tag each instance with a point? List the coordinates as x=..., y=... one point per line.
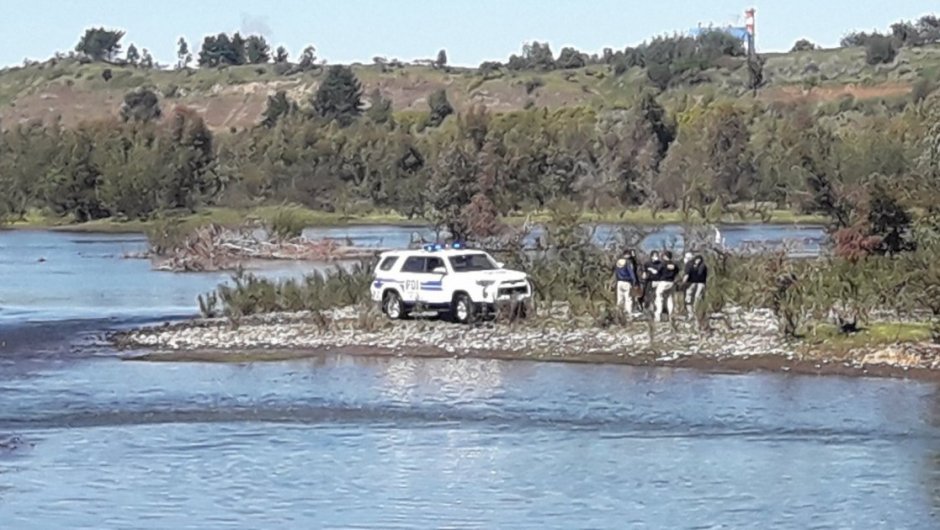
x=741, y=341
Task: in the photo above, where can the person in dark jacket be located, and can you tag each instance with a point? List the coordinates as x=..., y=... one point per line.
x=664, y=287
x=696, y=275
x=649, y=276
x=625, y=273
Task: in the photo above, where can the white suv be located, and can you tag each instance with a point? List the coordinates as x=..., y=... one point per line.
x=447, y=279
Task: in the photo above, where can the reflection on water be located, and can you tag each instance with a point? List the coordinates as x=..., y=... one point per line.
x=340, y=442
x=379, y=442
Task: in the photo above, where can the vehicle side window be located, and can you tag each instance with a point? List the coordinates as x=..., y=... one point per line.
x=388, y=263
x=433, y=263
x=413, y=264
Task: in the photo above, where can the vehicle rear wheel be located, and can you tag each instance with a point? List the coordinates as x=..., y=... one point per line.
x=392, y=306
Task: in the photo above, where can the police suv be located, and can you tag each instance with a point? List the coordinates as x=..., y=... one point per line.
x=450, y=279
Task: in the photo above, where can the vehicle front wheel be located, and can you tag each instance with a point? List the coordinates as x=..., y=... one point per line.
x=463, y=310
x=392, y=306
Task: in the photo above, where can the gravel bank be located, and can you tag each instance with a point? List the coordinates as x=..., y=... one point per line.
x=740, y=341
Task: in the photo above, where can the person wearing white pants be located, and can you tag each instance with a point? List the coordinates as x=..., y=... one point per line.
x=664, y=286
x=625, y=274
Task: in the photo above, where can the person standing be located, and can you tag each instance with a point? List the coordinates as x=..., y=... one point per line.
x=626, y=275
x=665, y=286
x=696, y=275
x=650, y=277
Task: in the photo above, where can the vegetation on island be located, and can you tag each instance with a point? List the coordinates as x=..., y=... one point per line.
x=863, y=293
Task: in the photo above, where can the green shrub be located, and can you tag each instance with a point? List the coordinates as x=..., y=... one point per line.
x=880, y=49
x=248, y=294
x=288, y=222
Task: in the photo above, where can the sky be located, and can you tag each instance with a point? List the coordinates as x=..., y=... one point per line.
x=471, y=31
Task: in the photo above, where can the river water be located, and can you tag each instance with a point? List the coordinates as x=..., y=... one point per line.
x=799, y=239
x=355, y=442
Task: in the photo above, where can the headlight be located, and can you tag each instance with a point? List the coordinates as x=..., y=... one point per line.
x=485, y=283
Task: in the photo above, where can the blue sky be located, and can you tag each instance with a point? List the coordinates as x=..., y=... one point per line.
x=470, y=30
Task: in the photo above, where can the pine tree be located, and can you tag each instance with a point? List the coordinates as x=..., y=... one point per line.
x=183, y=56
x=339, y=96
x=277, y=107
x=132, y=54
x=100, y=44
x=257, y=50
x=146, y=60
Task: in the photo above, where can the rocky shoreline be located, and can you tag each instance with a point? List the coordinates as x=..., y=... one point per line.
x=741, y=341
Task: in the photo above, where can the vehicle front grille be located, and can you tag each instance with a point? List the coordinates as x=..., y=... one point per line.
x=515, y=290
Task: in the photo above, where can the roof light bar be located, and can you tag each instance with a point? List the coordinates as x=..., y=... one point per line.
x=432, y=247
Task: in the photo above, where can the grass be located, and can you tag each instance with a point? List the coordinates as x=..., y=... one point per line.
x=35, y=220
x=877, y=334
x=837, y=67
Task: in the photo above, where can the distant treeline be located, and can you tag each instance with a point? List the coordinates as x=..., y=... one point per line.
x=668, y=59
x=463, y=171
x=674, y=52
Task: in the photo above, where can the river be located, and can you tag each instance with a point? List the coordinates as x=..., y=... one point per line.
x=90, y=441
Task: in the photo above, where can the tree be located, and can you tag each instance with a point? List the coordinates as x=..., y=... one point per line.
x=440, y=107
x=441, y=60
x=183, y=57
x=380, y=108
x=141, y=105
x=238, y=49
x=570, y=58
x=221, y=50
x=132, y=55
x=70, y=186
x=308, y=59
x=727, y=147
x=880, y=49
x=451, y=189
x=802, y=45
x=100, y=44
x=649, y=111
x=659, y=74
x=257, y=50
x=538, y=56
x=192, y=159
x=888, y=219
x=146, y=60
x=339, y=96
x=280, y=55
x=905, y=34
x=855, y=39
x=755, y=72
x=278, y=106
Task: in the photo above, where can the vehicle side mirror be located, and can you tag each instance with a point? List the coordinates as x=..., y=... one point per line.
x=500, y=264
x=439, y=270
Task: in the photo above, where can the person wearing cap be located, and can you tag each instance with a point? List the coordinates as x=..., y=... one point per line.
x=626, y=276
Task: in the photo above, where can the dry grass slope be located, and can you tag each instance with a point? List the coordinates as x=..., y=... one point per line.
x=235, y=96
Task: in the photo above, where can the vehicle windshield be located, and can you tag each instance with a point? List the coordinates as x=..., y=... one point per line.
x=472, y=262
